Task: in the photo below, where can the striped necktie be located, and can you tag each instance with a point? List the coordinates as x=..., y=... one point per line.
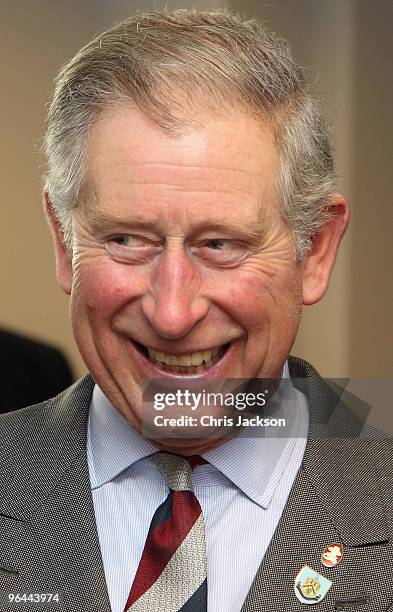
x=172, y=573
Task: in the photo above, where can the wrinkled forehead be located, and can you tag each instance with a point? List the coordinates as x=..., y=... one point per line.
x=227, y=159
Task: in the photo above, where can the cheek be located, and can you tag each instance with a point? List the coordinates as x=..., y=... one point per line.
x=248, y=301
x=256, y=300
x=104, y=287
x=250, y=298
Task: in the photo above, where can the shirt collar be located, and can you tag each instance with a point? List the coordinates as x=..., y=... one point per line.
x=256, y=460
x=113, y=445
x=254, y=464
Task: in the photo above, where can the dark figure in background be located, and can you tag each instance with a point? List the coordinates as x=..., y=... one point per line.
x=30, y=371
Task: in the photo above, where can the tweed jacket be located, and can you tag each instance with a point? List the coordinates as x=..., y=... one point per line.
x=343, y=493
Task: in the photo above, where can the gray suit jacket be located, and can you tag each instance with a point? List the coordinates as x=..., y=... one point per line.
x=343, y=493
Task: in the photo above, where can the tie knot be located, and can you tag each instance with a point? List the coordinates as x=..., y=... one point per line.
x=177, y=470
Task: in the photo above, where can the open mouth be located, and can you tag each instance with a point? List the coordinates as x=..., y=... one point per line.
x=184, y=364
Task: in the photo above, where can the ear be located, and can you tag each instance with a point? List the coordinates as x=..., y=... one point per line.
x=63, y=254
x=318, y=264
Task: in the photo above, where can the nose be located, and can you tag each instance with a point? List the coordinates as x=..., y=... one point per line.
x=174, y=304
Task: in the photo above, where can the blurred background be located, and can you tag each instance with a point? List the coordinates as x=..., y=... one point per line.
x=345, y=45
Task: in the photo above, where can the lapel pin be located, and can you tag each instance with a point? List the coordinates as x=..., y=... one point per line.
x=332, y=555
x=311, y=587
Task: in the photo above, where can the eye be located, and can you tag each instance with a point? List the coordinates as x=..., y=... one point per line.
x=128, y=240
x=222, y=251
x=216, y=244
x=132, y=248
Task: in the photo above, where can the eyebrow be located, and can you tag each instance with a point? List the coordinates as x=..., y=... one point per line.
x=101, y=221
x=253, y=231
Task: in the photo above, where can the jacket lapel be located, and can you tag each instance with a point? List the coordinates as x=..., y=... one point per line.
x=335, y=498
x=46, y=509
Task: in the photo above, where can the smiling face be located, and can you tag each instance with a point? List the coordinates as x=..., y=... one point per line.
x=180, y=255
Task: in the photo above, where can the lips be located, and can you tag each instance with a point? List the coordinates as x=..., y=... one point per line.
x=188, y=363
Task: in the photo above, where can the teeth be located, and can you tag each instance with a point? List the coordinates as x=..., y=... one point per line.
x=185, y=360
x=194, y=359
x=197, y=359
x=151, y=353
x=194, y=362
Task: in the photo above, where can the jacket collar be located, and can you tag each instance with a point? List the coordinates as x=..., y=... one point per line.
x=336, y=430
x=58, y=431
x=336, y=497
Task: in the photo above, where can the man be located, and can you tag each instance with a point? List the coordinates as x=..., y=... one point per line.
x=190, y=193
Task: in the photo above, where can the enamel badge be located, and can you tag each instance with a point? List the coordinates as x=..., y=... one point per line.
x=311, y=587
x=332, y=555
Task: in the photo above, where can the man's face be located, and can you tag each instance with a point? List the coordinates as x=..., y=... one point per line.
x=180, y=251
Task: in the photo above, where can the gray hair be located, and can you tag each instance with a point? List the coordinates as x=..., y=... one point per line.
x=167, y=62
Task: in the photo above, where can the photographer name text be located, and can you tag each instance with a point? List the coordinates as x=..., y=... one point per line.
x=210, y=421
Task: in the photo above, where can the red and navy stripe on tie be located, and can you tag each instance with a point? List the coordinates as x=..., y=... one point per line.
x=172, y=522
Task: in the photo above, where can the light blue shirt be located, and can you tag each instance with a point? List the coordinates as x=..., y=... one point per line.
x=242, y=492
